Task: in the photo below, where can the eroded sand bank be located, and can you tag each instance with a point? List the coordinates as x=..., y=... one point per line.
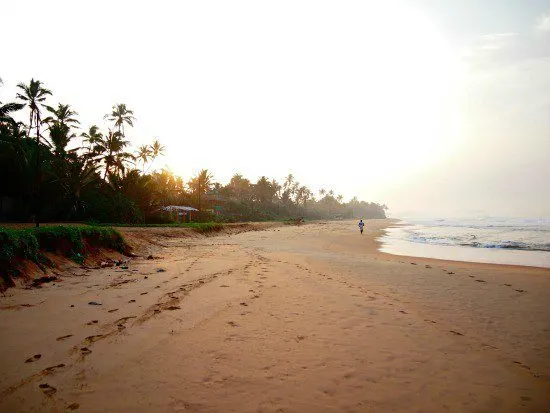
x=290, y=319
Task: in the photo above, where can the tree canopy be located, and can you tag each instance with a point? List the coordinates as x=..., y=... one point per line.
x=54, y=167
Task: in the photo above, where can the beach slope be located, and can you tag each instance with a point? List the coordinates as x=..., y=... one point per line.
x=289, y=319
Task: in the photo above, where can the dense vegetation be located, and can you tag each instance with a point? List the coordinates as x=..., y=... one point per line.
x=52, y=170
x=74, y=242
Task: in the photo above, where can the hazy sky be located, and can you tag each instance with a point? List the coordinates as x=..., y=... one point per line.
x=437, y=107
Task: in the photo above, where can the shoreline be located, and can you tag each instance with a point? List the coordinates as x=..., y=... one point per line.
x=454, y=253
x=294, y=318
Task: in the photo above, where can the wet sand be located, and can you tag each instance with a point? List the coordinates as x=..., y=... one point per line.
x=289, y=319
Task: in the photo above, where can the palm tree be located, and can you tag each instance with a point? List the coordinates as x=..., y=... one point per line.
x=80, y=174
x=109, y=149
x=60, y=123
x=7, y=108
x=144, y=154
x=63, y=114
x=60, y=136
x=121, y=115
x=34, y=95
x=6, y=120
x=92, y=137
x=289, y=180
x=157, y=149
x=200, y=185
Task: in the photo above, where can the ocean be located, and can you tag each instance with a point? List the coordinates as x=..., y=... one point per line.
x=515, y=241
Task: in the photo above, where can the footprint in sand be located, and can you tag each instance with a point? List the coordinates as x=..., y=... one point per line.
x=143, y=293
x=413, y=263
x=450, y=273
x=232, y=324
x=173, y=307
x=73, y=406
x=508, y=285
x=519, y=290
x=50, y=369
x=85, y=351
x=47, y=389
x=33, y=358
x=456, y=333
x=428, y=266
x=113, y=310
x=519, y=363
x=132, y=301
x=92, y=339
x=64, y=337
x=403, y=312
x=244, y=304
x=124, y=319
x=224, y=286
x=89, y=323
x=481, y=281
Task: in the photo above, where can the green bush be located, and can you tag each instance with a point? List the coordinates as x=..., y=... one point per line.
x=201, y=227
x=17, y=243
x=71, y=241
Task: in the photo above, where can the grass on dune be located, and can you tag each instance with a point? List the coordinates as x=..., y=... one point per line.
x=74, y=242
x=201, y=227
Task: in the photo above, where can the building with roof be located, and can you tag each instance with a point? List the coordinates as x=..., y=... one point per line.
x=181, y=213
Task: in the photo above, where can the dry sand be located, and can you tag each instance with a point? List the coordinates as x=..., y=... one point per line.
x=289, y=319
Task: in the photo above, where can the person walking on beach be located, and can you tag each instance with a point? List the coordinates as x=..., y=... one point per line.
x=361, y=225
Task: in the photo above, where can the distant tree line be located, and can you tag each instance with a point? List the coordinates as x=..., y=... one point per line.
x=47, y=174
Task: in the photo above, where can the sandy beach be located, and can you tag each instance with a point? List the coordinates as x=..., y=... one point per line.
x=308, y=318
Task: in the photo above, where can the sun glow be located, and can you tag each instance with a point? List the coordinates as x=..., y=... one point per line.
x=329, y=92
x=381, y=81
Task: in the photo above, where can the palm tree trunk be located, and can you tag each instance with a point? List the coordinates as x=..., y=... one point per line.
x=38, y=173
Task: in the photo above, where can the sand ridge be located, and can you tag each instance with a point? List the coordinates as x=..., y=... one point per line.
x=308, y=318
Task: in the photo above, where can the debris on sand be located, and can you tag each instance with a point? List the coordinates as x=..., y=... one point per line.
x=43, y=280
x=94, y=303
